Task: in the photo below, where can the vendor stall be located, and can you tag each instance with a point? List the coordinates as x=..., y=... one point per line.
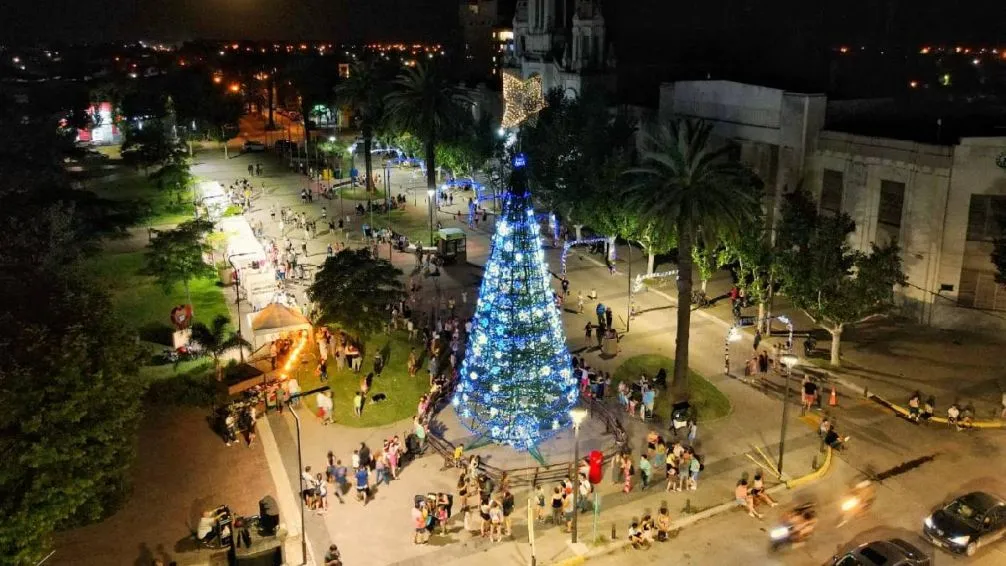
x=451, y=245
x=211, y=200
x=276, y=321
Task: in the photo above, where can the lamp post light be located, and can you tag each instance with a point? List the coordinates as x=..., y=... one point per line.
x=579, y=414
x=733, y=335
x=300, y=464
x=789, y=361
x=789, y=327
x=432, y=193
x=237, y=296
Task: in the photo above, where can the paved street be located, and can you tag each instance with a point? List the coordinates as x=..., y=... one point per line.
x=380, y=533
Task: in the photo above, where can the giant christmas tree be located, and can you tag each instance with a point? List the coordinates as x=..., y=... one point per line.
x=516, y=386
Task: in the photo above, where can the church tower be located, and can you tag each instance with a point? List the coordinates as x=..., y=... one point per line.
x=588, y=37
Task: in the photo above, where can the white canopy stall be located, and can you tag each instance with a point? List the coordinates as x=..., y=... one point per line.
x=212, y=198
x=274, y=321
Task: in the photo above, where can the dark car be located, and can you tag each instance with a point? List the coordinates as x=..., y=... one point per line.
x=967, y=523
x=893, y=552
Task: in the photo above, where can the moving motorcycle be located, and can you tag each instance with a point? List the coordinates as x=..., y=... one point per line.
x=796, y=528
x=858, y=501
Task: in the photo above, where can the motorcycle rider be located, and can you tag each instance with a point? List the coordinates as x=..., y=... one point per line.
x=801, y=521
x=860, y=499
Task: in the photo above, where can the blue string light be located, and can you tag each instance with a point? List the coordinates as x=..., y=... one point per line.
x=515, y=384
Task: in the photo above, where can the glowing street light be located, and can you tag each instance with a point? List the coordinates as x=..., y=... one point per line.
x=578, y=415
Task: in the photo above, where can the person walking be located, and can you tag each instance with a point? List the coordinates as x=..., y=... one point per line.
x=608, y=317
x=694, y=467
x=358, y=404
x=579, y=302
x=496, y=521
x=557, y=505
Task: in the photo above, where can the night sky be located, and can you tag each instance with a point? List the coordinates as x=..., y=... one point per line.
x=72, y=20
x=95, y=20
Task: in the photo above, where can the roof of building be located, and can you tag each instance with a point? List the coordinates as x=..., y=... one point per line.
x=941, y=122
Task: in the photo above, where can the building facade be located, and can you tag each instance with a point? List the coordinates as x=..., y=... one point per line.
x=774, y=130
x=480, y=26
x=567, y=48
x=940, y=202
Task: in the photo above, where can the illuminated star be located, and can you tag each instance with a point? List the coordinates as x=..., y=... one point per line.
x=522, y=98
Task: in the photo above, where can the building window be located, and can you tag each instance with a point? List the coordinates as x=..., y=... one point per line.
x=892, y=202
x=983, y=215
x=978, y=288
x=831, y=192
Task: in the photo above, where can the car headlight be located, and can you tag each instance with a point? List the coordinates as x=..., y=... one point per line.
x=961, y=540
x=778, y=533
x=929, y=521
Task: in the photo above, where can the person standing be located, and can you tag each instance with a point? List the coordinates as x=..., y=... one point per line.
x=419, y=516
x=608, y=317
x=363, y=485
x=507, y=506
x=322, y=494
x=645, y=469
x=358, y=404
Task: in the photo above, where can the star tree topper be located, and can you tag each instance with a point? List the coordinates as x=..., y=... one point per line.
x=523, y=98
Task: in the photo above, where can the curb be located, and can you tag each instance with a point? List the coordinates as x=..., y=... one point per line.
x=707, y=513
x=813, y=476
x=902, y=411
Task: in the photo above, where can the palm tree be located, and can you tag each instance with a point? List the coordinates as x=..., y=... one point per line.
x=363, y=92
x=689, y=186
x=217, y=339
x=426, y=104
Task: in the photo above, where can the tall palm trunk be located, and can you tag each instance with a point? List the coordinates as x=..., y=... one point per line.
x=680, y=383
x=272, y=103
x=368, y=162
x=431, y=166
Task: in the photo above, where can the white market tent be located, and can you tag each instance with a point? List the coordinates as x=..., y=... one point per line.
x=273, y=321
x=243, y=248
x=213, y=197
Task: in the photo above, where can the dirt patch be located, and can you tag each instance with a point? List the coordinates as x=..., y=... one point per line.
x=182, y=468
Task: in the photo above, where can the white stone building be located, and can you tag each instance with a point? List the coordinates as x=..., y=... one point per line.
x=939, y=201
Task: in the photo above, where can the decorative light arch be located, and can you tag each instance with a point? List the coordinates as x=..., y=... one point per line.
x=571, y=243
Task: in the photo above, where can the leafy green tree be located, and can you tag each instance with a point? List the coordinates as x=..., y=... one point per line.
x=176, y=256
x=353, y=290
x=363, y=92
x=751, y=250
x=69, y=401
x=707, y=255
x=149, y=146
x=174, y=178
x=217, y=339
x=425, y=103
x=688, y=185
x=834, y=284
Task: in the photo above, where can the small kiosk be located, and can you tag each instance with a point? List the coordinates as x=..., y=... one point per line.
x=452, y=245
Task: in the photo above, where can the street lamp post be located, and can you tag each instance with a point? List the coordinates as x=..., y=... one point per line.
x=789, y=327
x=628, y=314
x=787, y=360
x=733, y=335
x=432, y=194
x=237, y=296
x=578, y=415
x=300, y=466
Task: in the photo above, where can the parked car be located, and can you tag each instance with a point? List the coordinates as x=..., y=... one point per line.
x=284, y=145
x=254, y=146
x=893, y=552
x=967, y=523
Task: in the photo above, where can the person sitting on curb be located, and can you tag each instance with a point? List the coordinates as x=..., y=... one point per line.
x=744, y=499
x=636, y=536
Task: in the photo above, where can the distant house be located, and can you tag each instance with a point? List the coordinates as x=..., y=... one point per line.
x=103, y=129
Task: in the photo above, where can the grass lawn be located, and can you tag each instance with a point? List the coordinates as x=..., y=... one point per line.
x=708, y=402
x=402, y=391
x=144, y=305
x=159, y=207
